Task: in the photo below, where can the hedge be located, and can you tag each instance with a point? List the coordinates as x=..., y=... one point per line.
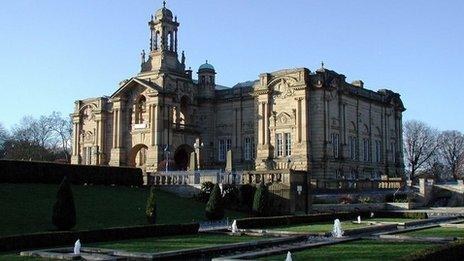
x=62, y=238
x=452, y=251
x=16, y=171
x=261, y=222
x=412, y=215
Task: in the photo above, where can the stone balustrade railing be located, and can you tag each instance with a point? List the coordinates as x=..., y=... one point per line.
x=193, y=177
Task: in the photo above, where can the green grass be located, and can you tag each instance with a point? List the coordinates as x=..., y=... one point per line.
x=328, y=226
x=27, y=208
x=160, y=244
x=436, y=232
x=318, y=227
x=357, y=250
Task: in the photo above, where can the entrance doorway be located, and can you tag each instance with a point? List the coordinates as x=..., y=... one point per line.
x=182, y=156
x=138, y=156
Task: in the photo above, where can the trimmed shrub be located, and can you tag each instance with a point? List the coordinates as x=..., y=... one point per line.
x=63, y=238
x=64, y=211
x=262, y=222
x=215, y=208
x=150, y=210
x=261, y=200
x=17, y=171
x=231, y=195
x=205, y=191
x=247, y=193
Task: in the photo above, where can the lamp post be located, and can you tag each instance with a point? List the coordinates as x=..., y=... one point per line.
x=197, y=145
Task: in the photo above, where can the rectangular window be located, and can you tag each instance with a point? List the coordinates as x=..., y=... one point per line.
x=335, y=144
x=288, y=144
x=228, y=145
x=353, y=148
x=279, y=145
x=222, y=150
x=393, y=151
x=378, y=151
x=366, y=150
x=247, y=148
x=253, y=148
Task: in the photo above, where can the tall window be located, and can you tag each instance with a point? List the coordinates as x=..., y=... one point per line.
x=366, y=150
x=335, y=144
x=279, y=145
x=288, y=144
x=140, y=109
x=353, y=146
x=222, y=150
x=393, y=151
x=248, y=148
x=378, y=151
x=228, y=145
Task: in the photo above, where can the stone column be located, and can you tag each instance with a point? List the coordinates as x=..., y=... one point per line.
x=75, y=141
x=175, y=38
x=266, y=123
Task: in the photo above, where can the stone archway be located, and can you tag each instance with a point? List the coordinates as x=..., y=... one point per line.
x=182, y=156
x=138, y=156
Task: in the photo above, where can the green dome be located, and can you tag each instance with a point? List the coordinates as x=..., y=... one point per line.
x=206, y=66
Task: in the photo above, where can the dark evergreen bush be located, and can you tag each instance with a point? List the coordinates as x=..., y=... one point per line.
x=247, y=193
x=151, y=207
x=64, y=211
x=215, y=208
x=261, y=200
x=205, y=191
x=231, y=196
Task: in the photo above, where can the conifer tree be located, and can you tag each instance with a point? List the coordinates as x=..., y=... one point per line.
x=64, y=210
x=215, y=208
x=151, y=207
x=261, y=200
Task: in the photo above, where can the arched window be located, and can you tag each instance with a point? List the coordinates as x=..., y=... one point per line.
x=140, y=109
x=184, y=110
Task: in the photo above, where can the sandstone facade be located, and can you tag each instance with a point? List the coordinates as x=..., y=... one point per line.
x=288, y=119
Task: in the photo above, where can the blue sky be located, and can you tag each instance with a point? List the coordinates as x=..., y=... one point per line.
x=55, y=52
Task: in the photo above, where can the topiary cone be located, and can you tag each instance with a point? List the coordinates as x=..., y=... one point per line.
x=64, y=210
x=150, y=210
x=215, y=208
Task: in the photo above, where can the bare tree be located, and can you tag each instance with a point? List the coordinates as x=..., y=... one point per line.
x=3, y=134
x=62, y=129
x=420, y=143
x=451, y=149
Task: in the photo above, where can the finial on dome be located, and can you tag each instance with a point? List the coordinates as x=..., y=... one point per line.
x=206, y=60
x=322, y=64
x=164, y=4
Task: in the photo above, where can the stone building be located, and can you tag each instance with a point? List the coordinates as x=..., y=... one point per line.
x=289, y=119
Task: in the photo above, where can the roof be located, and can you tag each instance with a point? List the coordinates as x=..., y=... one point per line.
x=245, y=84
x=206, y=66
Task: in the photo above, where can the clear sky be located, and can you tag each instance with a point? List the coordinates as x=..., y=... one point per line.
x=55, y=52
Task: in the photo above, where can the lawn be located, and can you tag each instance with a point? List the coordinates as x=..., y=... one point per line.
x=27, y=208
x=436, y=232
x=357, y=250
x=159, y=244
x=162, y=244
x=328, y=226
x=318, y=227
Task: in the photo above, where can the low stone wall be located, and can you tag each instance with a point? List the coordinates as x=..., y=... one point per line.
x=401, y=206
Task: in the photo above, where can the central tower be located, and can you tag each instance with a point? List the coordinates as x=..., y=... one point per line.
x=163, y=54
